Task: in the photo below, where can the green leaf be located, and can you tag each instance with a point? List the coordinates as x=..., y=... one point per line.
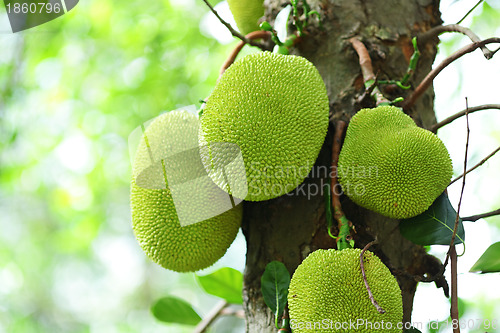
x=489, y=262
x=226, y=283
x=175, y=310
x=434, y=226
x=274, y=286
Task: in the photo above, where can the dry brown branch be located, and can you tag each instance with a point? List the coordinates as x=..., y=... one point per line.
x=427, y=81
x=232, y=56
x=452, y=254
x=457, y=115
x=365, y=63
x=474, y=218
x=370, y=294
x=434, y=32
x=477, y=165
x=337, y=145
x=231, y=29
x=454, y=289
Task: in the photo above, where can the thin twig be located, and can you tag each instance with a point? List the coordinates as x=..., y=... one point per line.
x=370, y=295
x=238, y=313
x=457, y=218
x=231, y=29
x=474, y=218
x=337, y=144
x=365, y=63
x=452, y=254
x=454, y=290
x=457, y=115
x=470, y=11
x=454, y=28
x=477, y=165
x=232, y=56
x=427, y=81
x=209, y=319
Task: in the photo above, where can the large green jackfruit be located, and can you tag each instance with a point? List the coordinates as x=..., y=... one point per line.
x=274, y=108
x=167, y=153
x=327, y=294
x=247, y=13
x=390, y=165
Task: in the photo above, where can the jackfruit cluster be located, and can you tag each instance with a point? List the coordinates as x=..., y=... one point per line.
x=327, y=294
x=273, y=108
x=168, y=152
x=390, y=165
x=247, y=13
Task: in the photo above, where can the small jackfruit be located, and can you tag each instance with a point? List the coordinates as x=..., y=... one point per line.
x=390, y=165
x=327, y=294
x=247, y=13
x=167, y=162
x=275, y=109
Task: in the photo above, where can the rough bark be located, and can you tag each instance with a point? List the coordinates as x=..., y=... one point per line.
x=290, y=227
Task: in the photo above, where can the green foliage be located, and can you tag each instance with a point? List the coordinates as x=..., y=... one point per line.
x=71, y=91
x=175, y=310
x=274, y=286
x=226, y=283
x=435, y=225
x=489, y=262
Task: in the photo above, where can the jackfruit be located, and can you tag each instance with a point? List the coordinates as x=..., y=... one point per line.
x=167, y=180
x=390, y=165
x=247, y=13
x=327, y=294
x=274, y=108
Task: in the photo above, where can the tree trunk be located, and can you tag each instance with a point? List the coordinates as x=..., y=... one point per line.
x=292, y=226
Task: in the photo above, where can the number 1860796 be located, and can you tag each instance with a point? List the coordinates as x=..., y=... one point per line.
x=33, y=8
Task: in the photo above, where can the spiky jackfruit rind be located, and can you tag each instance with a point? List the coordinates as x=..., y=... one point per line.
x=247, y=13
x=390, y=165
x=154, y=218
x=327, y=293
x=275, y=109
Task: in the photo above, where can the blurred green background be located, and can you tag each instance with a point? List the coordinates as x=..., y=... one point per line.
x=72, y=90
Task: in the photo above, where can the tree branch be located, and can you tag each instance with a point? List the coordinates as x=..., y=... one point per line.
x=474, y=218
x=231, y=29
x=452, y=253
x=454, y=289
x=457, y=218
x=427, y=81
x=365, y=63
x=434, y=32
x=210, y=318
x=337, y=145
x=470, y=11
x=370, y=295
x=232, y=56
x=457, y=115
x=477, y=165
